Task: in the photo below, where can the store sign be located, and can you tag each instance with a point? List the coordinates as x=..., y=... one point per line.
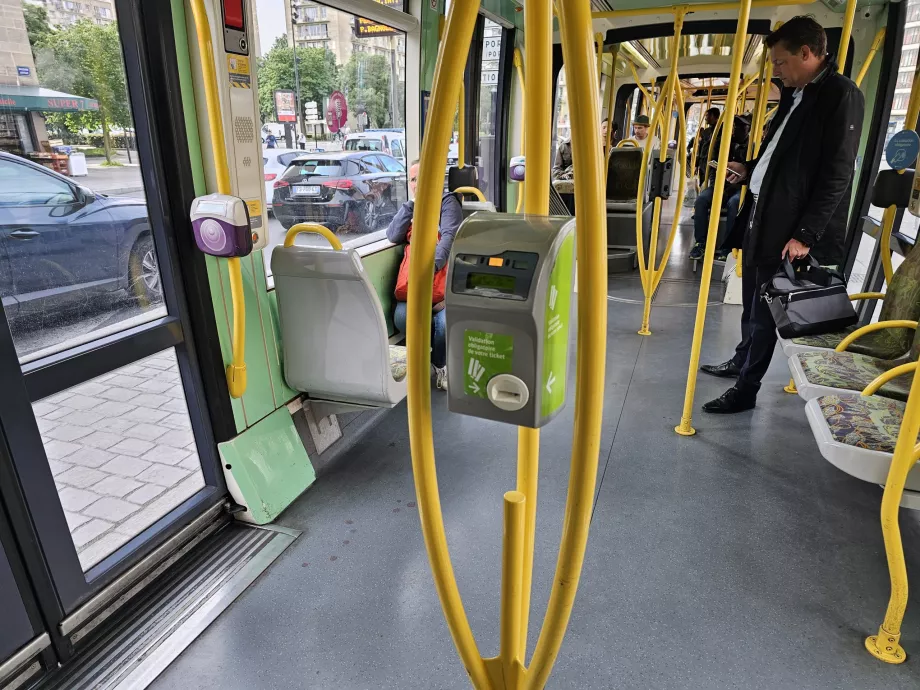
x=490, y=78
x=70, y=104
x=365, y=28
x=23, y=71
x=492, y=49
x=285, y=106
x=336, y=112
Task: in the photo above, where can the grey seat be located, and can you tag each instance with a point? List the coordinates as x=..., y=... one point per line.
x=623, y=170
x=333, y=332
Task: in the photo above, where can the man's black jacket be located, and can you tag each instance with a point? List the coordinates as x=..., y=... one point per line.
x=806, y=191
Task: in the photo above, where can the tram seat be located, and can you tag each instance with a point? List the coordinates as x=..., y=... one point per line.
x=623, y=170
x=857, y=434
x=830, y=373
x=333, y=332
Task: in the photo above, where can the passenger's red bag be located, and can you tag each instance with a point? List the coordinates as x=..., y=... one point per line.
x=402, y=278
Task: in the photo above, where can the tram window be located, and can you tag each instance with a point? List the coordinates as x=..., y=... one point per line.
x=74, y=225
x=561, y=128
x=489, y=116
x=366, y=62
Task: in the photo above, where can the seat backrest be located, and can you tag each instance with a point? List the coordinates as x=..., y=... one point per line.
x=902, y=297
x=467, y=176
x=623, y=168
x=470, y=207
x=333, y=330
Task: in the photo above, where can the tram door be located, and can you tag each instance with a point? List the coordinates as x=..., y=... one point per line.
x=110, y=447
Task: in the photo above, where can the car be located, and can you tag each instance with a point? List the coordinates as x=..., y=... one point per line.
x=348, y=192
x=63, y=245
x=389, y=141
x=276, y=162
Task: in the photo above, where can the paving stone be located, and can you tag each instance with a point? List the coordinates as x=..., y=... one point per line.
x=80, y=477
x=117, y=394
x=110, y=508
x=147, y=432
x=43, y=407
x=130, y=370
x=166, y=455
x=192, y=462
x=177, y=421
x=58, y=467
x=119, y=487
x=55, y=450
x=84, y=418
x=84, y=534
x=176, y=438
x=164, y=475
x=89, y=388
x=124, y=381
x=90, y=457
x=162, y=364
x=145, y=494
x=58, y=398
x=125, y=466
x=154, y=386
x=76, y=500
x=66, y=432
x=176, y=405
x=132, y=446
x=109, y=408
x=116, y=425
x=74, y=520
x=101, y=439
x=95, y=552
x=58, y=412
x=142, y=519
x=177, y=391
x=45, y=425
x=146, y=414
x=83, y=402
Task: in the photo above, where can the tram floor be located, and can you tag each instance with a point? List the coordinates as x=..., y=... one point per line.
x=736, y=558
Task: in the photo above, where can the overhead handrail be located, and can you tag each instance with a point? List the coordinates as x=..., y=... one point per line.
x=744, y=13
x=519, y=68
x=873, y=51
x=700, y=7
x=236, y=370
x=473, y=191
x=314, y=228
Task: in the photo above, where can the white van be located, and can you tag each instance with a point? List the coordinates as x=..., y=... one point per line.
x=391, y=141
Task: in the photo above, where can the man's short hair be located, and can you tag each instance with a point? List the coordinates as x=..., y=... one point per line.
x=714, y=111
x=414, y=162
x=798, y=32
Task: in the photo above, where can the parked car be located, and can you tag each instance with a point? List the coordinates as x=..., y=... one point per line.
x=63, y=245
x=276, y=162
x=347, y=192
x=389, y=141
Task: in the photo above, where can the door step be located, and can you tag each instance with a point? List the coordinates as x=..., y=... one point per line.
x=148, y=634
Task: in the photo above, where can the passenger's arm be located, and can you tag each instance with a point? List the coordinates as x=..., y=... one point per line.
x=451, y=217
x=558, y=163
x=399, y=226
x=839, y=146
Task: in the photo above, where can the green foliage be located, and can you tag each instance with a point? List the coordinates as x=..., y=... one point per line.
x=85, y=59
x=317, y=72
x=37, y=25
x=366, y=84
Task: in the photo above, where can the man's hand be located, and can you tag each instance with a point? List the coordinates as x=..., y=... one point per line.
x=795, y=250
x=740, y=172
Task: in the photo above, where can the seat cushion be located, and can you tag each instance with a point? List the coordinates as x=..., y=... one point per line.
x=827, y=341
x=852, y=372
x=870, y=422
x=398, y=366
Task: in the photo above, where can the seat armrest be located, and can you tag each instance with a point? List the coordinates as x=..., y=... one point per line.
x=882, y=379
x=877, y=326
x=867, y=295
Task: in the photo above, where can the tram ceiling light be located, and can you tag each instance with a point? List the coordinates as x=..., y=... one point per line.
x=639, y=51
x=634, y=56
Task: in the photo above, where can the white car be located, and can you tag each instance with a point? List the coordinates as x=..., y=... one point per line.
x=390, y=141
x=276, y=162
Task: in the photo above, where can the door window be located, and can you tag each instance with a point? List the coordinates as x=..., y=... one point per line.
x=23, y=185
x=489, y=116
x=391, y=164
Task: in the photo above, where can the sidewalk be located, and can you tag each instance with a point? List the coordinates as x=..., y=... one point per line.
x=124, y=180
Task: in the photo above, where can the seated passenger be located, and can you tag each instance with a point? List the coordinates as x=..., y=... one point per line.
x=399, y=231
x=731, y=197
x=562, y=164
x=640, y=132
x=702, y=149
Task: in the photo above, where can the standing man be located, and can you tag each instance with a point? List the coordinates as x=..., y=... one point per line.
x=799, y=192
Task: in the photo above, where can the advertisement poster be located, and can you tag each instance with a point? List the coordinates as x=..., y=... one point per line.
x=285, y=106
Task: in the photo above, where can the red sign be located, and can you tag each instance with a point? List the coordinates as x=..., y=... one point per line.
x=336, y=112
x=285, y=106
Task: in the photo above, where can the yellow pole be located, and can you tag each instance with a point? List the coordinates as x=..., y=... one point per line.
x=700, y=7
x=510, y=643
x=519, y=68
x=591, y=243
x=886, y=645
x=611, y=99
x=642, y=88
x=447, y=77
x=696, y=140
x=707, y=174
x=888, y=218
x=236, y=370
x=461, y=125
x=640, y=197
x=599, y=39
x=684, y=428
x=848, y=15
x=876, y=45
x=759, y=104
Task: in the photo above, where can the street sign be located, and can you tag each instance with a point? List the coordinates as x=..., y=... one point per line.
x=285, y=106
x=336, y=112
x=902, y=150
x=310, y=110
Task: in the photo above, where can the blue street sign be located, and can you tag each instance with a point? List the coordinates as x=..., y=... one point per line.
x=23, y=71
x=902, y=150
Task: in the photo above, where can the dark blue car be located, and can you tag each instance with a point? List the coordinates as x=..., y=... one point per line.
x=64, y=246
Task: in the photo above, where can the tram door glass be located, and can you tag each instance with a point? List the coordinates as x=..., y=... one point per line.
x=335, y=51
x=82, y=258
x=489, y=116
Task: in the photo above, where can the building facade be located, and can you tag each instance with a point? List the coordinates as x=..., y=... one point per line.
x=908, y=62
x=66, y=12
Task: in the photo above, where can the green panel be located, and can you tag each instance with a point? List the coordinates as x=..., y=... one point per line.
x=267, y=467
x=382, y=268
x=556, y=334
x=283, y=393
x=869, y=87
x=430, y=21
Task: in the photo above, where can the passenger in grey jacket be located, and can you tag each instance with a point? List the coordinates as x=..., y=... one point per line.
x=399, y=232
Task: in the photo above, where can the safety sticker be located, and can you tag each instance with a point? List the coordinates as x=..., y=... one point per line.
x=485, y=355
x=255, y=213
x=238, y=67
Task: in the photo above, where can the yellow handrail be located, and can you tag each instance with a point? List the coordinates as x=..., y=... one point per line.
x=627, y=142
x=871, y=328
x=519, y=68
x=611, y=98
x=236, y=370
x=471, y=190
x=884, y=378
x=685, y=428
x=888, y=218
x=873, y=51
x=699, y=7
x=699, y=130
x=848, y=15
x=461, y=125
x=707, y=175
x=640, y=194
x=867, y=295
x=760, y=104
x=312, y=228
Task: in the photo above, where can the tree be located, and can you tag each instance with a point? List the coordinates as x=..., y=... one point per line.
x=37, y=24
x=85, y=59
x=316, y=69
x=366, y=83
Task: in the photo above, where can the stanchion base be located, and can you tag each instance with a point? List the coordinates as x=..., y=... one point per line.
x=644, y=331
x=689, y=431
x=791, y=388
x=891, y=653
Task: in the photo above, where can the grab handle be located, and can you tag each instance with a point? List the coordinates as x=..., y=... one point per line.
x=315, y=229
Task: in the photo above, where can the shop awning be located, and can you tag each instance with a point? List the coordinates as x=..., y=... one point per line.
x=43, y=100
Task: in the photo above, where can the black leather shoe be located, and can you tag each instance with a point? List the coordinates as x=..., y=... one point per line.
x=725, y=370
x=730, y=402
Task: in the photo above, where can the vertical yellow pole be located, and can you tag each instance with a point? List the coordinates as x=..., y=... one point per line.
x=599, y=39
x=684, y=428
x=461, y=124
x=611, y=99
x=707, y=171
x=886, y=645
x=509, y=638
x=447, y=77
x=848, y=15
x=759, y=103
x=591, y=243
x=538, y=35
x=681, y=156
x=873, y=51
x=696, y=140
x=519, y=68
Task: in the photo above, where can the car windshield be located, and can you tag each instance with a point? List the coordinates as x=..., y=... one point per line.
x=364, y=145
x=317, y=167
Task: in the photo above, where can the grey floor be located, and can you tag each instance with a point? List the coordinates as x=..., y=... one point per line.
x=737, y=558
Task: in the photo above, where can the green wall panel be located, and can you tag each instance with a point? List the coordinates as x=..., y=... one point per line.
x=382, y=268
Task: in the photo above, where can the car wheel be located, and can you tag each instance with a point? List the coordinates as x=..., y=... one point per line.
x=286, y=224
x=144, y=273
x=370, y=217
